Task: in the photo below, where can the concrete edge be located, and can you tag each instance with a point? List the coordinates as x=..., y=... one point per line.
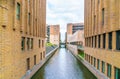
x=31, y=72
x=93, y=70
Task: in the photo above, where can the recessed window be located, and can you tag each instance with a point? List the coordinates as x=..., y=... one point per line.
x=109, y=70
x=18, y=11
x=118, y=40
x=104, y=40
x=110, y=40
x=98, y=64
x=92, y=41
x=94, y=62
x=117, y=73
x=28, y=63
x=99, y=41
x=31, y=43
x=42, y=43
x=103, y=15
x=23, y=43
x=39, y=43
x=103, y=66
x=34, y=59
x=28, y=43
x=95, y=41
x=29, y=18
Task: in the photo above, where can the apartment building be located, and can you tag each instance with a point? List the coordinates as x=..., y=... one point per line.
x=102, y=36
x=55, y=34
x=73, y=27
x=22, y=36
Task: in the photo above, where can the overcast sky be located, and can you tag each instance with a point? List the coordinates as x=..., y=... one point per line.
x=64, y=11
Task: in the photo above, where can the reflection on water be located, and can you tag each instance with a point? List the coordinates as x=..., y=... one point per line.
x=63, y=65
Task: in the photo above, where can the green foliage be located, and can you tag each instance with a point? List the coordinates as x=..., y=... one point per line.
x=49, y=44
x=81, y=55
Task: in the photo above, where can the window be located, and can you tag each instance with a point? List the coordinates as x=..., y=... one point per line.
x=118, y=40
x=94, y=62
x=31, y=43
x=99, y=41
x=23, y=43
x=103, y=15
x=28, y=43
x=103, y=66
x=95, y=41
x=28, y=63
x=18, y=11
x=91, y=60
x=98, y=1
x=94, y=22
x=104, y=40
x=41, y=55
x=110, y=40
x=117, y=73
x=34, y=59
x=39, y=43
x=92, y=41
x=42, y=43
x=109, y=70
x=98, y=64
x=29, y=18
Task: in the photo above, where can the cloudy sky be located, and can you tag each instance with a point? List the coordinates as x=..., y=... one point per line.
x=64, y=11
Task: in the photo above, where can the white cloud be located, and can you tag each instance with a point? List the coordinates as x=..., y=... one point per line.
x=65, y=11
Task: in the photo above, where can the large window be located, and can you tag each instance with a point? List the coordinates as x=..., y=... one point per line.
x=104, y=40
x=18, y=11
x=118, y=40
x=117, y=73
x=99, y=41
x=98, y=64
x=23, y=43
x=103, y=66
x=110, y=40
x=109, y=70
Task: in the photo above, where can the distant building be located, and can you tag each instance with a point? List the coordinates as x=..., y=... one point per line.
x=22, y=37
x=73, y=27
x=102, y=37
x=75, y=37
x=48, y=33
x=54, y=36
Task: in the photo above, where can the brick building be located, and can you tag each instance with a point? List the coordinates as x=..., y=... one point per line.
x=22, y=36
x=73, y=27
x=54, y=34
x=102, y=36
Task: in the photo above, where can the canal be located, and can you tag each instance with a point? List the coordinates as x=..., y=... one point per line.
x=63, y=65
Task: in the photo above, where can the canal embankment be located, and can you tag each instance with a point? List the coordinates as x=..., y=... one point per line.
x=63, y=65
x=49, y=53
x=81, y=59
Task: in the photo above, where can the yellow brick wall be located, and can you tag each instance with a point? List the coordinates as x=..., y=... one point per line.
x=12, y=58
x=94, y=28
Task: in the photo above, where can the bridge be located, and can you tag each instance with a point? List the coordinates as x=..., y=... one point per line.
x=62, y=45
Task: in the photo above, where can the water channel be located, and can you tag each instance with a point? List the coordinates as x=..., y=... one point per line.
x=63, y=65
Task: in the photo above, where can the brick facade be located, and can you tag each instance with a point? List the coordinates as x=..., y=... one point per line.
x=102, y=22
x=31, y=26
